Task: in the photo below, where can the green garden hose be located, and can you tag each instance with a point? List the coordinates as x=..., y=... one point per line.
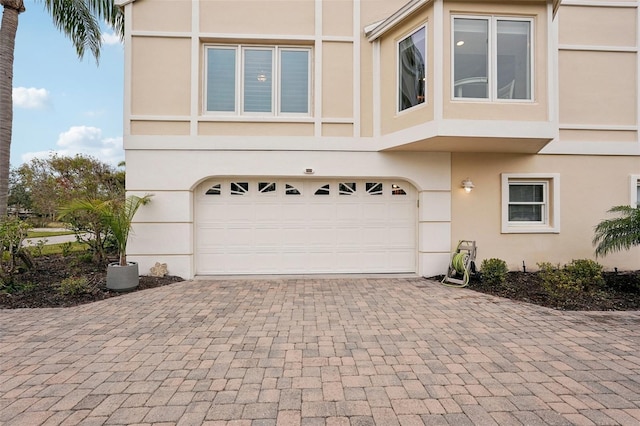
x=458, y=263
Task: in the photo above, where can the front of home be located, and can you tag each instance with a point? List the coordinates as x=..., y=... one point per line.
x=310, y=136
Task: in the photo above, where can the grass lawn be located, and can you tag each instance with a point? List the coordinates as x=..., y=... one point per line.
x=44, y=234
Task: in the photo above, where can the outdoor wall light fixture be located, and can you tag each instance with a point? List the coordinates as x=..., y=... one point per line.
x=308, y=171
x=467, y=185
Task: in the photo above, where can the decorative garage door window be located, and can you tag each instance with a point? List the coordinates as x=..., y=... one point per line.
x=373, y=188
x=291, y=190
x=396, y=190
x=271, y=188
x=348, y=188
x=323, y=190
x=266, y=187
x=239, y=188
x=214, y=190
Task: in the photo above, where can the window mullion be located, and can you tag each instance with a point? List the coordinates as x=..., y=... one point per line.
x=239, y=80
x=493, y=54
x=276, y=72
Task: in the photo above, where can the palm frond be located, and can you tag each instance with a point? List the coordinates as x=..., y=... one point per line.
x=619, y=233
x=80, y=21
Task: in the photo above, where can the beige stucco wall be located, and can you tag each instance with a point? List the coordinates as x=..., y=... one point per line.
x=597, y=26
x=585, y=196
x=160, y=76
x=391, y=119
x=254, y=129
x=518, y=111
x=162, y=15
x=339, y=21
x=257, y=17
x=146, y=127
x=337, y=76
x=598, y=87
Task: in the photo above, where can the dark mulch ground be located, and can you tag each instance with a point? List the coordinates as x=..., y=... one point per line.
x=38, y=287
x=621, y=292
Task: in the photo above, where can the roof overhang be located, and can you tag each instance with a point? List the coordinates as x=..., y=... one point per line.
x=383, y=26
x=378, y=29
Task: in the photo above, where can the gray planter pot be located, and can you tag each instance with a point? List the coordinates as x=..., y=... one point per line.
x=122, y=278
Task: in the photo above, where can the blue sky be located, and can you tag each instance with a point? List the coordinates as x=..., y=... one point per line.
x=61, y=103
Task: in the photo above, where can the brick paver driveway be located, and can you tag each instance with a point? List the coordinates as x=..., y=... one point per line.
x=317, y=352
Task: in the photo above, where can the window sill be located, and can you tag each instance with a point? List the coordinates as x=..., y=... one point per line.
x=530, y=229
x=255, y=119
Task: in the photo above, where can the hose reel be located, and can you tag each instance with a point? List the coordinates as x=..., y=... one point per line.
x=462, y=264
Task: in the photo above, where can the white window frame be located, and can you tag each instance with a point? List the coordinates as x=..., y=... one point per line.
x=551, y=210
x=426, y=54
x=276, y=76
x=493, y=58
x=634, y=185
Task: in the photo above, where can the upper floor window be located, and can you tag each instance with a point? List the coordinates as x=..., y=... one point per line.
x=256, y=80
x=492, y=58
x=412, y=69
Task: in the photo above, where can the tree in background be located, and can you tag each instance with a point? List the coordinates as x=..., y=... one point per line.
x=80, y=21
x=619, y=233
x=54, y=182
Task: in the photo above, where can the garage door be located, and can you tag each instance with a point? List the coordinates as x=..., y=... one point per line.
x=269, y=226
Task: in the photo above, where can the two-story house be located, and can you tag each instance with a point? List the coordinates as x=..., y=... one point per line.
x=369, y=136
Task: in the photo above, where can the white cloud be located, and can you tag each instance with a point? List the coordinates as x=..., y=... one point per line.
x=111, y=39
x=87, y=141
x=31, y=98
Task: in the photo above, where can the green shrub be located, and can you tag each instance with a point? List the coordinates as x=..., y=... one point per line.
x=581, y=275
x=586, y=273
x=66, y=248
x=494, y=271
x=73, y=285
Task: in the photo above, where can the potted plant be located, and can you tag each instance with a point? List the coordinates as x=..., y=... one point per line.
x=116, y=215
x=123, y=275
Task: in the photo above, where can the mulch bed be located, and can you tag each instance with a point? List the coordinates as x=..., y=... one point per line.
x=621, y=292
x=38, y=287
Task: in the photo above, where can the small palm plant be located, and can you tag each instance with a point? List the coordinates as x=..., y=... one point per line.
x=619, y=233
x=115, y=216
x=119, y=219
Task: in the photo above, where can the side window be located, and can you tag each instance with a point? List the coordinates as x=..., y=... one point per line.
x=412, y=69
x=530, y=203
x=635, y=191
x=492, y=58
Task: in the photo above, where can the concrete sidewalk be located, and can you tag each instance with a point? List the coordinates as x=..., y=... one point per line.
x=349, y=351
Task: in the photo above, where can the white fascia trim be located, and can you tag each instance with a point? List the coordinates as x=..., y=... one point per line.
x=469, y=128
x=629, y=4
x=612, y=127
x=591, y=148
x=591, y=48
x=357, y=68
x=195, y=67
x=634, y=183
x=122, y=3
x=243, y=143
x=394, y=19
x=553, y=205
x=497, y=128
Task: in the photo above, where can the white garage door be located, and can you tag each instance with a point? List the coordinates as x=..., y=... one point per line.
x=268, y=226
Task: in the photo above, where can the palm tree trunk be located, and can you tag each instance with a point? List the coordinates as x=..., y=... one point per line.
x=12, y=8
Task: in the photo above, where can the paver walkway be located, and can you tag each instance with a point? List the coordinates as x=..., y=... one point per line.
x=394, y=351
